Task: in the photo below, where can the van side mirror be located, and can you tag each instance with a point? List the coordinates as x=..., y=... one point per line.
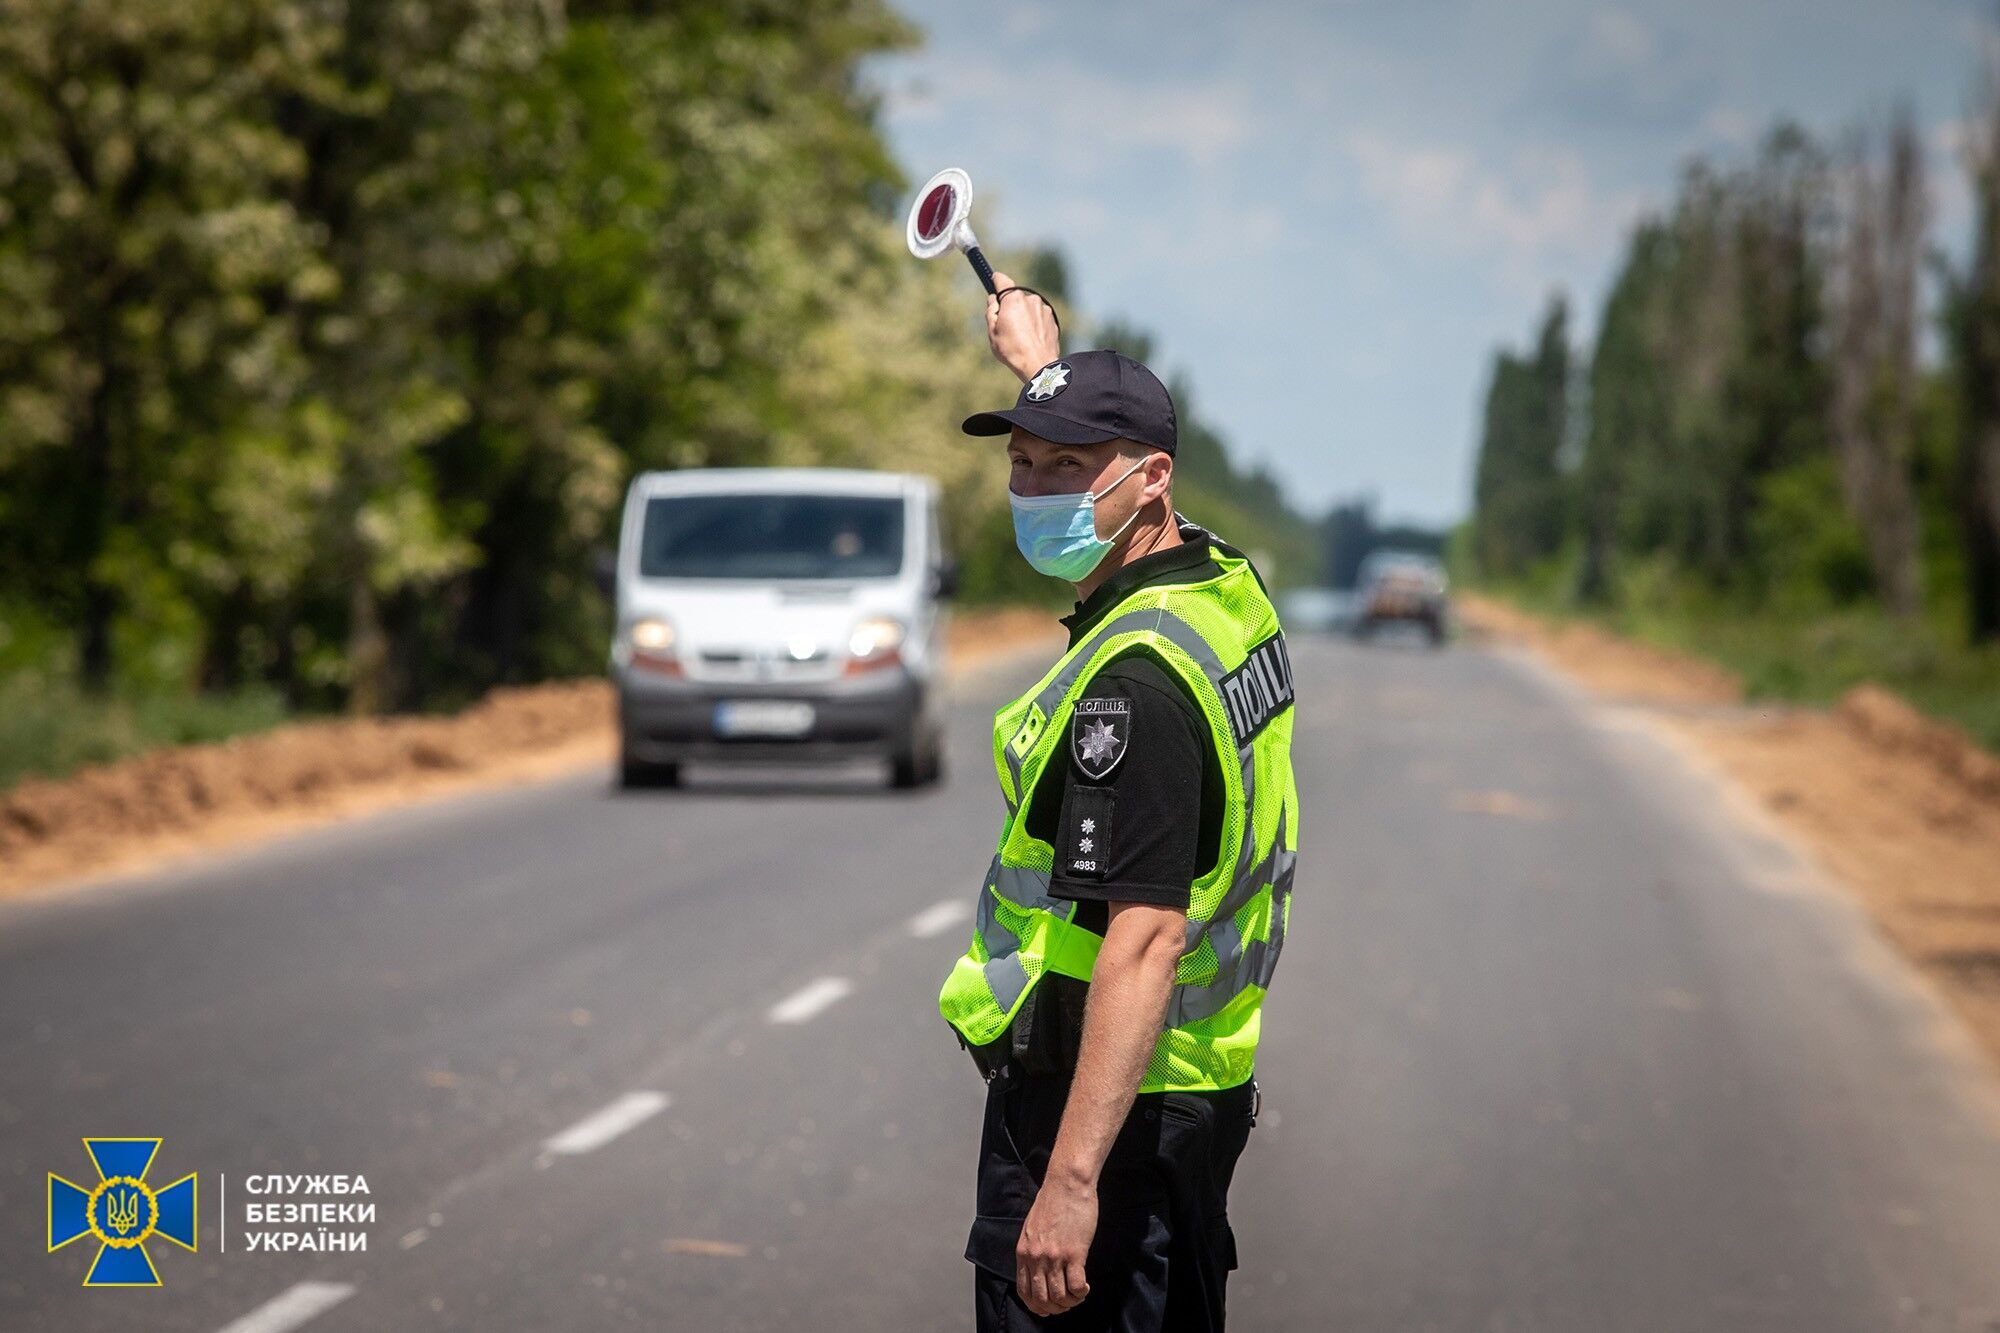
x=604, y=570
x=944, y=579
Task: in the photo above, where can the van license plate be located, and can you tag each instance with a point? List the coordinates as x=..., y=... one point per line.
x=763, y=717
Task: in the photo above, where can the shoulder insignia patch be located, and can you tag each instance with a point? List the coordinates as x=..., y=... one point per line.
x=1100, y=732
x=1086, y=831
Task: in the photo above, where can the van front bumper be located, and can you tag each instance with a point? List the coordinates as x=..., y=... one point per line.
x=664, y=719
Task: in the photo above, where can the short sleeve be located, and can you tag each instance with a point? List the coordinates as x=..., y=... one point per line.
x=1129, y=825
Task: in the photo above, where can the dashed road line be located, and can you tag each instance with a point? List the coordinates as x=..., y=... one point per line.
x=938, y=918
x=810, y=999
x=292, y=1307
x=595, y=1130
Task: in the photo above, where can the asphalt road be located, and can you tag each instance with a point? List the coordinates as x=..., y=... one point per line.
x=1558, y=1043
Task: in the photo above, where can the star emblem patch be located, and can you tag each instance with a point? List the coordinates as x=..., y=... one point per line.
x=1099, y=743
x=1049, y=381
x=1100, y=731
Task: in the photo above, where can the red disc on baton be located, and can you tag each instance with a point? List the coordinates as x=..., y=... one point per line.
x=935, y=214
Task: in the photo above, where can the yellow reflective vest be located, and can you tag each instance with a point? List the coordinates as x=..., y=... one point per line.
x=1220, y=635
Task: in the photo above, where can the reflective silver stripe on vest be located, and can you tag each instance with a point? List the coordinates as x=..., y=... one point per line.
x=1018, y=885
x=1006, y=977
x=1238, y=964
x=1006, y=974
x=997, y=938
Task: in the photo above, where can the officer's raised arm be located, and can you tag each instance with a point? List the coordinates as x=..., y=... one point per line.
x=1021, y=328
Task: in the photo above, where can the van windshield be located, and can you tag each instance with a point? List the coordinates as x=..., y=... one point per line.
x=772, y=536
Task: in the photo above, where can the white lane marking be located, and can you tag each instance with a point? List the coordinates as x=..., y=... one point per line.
x=412, y=1239
x=939, y=917
x=292, y=1308
x=810, y=999
x=595, y=1130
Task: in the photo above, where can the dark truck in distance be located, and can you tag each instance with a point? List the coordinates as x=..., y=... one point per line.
x=1399, y=587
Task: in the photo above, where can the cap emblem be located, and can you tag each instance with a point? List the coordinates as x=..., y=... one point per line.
x=1051, y=380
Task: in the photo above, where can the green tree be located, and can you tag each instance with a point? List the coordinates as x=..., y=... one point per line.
x=1973, y=322
x=1518, y=488
x=143, y=237
x=1628, y=415
x=333, y=330
x=1874, y=338
x=1709, y=382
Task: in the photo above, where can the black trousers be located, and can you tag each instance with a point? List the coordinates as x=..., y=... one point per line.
x=1163, y=1249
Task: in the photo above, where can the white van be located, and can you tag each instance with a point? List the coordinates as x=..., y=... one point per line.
x=779, y=614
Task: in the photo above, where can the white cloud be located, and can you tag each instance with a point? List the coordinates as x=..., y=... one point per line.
x=1617, y=39
x=1023, y=22
x=1554, y=210
x=1444, y=197
x=1421, y=185
x=1205, y=124
x=1085, y=119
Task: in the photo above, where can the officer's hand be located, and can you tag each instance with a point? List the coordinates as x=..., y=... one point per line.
x=1048, y=1259
x=1021, y=329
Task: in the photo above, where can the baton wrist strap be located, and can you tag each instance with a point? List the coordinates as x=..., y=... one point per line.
x=1002, y=295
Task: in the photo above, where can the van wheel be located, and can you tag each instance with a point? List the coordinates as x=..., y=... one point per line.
x=638, y=775
x=922, y=765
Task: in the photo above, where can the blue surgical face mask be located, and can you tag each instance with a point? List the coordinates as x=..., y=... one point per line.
x=1058, y=533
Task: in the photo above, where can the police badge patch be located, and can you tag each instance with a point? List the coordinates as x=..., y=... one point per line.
x=1100, y=731
x=1049, y=381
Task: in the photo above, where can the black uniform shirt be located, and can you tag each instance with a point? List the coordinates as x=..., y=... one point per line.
x=1133, y=802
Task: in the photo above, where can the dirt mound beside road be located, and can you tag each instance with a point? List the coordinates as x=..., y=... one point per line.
x=1600, y=659
x=138, y=811
x=1891, y=724
x=196, y=794
x=1901, y=808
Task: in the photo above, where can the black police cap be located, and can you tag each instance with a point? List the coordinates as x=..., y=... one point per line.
x=1089, y=398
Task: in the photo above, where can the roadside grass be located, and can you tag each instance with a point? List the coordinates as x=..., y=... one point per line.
x=50, y=726
x=1804, y=658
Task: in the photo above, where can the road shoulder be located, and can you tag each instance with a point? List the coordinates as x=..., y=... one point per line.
x=1888, y=805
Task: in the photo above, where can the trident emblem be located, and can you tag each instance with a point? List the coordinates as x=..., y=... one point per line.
x=122, y=1210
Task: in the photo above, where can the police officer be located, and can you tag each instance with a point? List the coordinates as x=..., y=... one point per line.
x=1134, y=909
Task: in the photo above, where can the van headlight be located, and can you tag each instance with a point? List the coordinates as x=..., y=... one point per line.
x=651, y=635
x=876, y=640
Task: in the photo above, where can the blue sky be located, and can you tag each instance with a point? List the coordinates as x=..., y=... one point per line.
x=1331, y=214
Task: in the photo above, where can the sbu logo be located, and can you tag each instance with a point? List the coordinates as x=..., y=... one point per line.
x=122, y=1212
